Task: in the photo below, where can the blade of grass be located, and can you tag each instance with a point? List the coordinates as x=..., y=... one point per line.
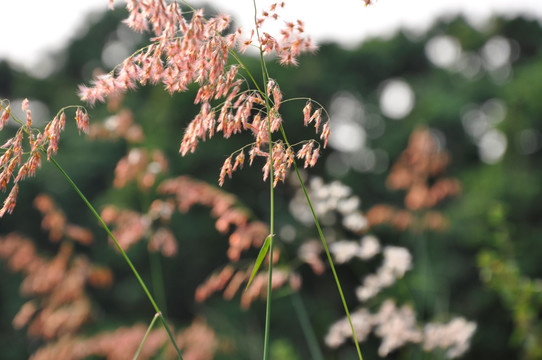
x=158, y=280
x=121, y=250
x=305, y=322
x=259, y=259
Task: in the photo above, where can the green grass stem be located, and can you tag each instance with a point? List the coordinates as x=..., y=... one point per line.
x=326, y=249
x=123, y=253
x=306, y=327
x=156, y=316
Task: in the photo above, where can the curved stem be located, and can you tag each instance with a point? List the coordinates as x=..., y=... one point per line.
x=158, y=280
x=304, y=320
x=263, y=92
x=123, y=253
x=328, y=254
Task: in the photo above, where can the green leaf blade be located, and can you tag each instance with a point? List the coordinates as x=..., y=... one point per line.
x=259, y=259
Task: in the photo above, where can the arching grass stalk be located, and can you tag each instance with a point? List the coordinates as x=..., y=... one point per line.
x=265, y=76
x=123, y=253
x=324, y=243
x=157, y=279
x=304, y=321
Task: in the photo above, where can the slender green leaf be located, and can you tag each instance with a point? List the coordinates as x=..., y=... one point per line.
x=259, y=260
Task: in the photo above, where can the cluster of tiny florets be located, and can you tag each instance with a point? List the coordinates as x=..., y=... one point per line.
x=418, y=171
x=397, y=326
x=261, y=125
x=21, y=154
x=58, y=305
x=196, y=50
x=288, y=44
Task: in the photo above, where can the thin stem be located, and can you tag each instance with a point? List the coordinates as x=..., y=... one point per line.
x=240, y=62
x=156, y=316
x=306, y=326
x=324, y=243
x=271, y=211
x=265, y=78
x=158, y=280
x=123, y=253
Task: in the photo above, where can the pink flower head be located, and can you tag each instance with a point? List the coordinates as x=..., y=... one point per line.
x=307, y=113
x=24, y=105
x=9, y=203
x=5, y=117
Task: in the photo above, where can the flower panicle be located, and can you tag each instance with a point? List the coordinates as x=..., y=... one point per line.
x=225, y=208
x=229, y=281
x=248, y=113
x=22, y=153
x=9, y=203
x=6, y=114
x=182, y=52
x=185, y=51
x=283, y=159
x=290, y=41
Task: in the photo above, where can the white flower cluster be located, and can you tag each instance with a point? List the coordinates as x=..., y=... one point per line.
x=344, y=250
x=328, y=200
x=397, y=261
x=454, y=336
x=397, y=327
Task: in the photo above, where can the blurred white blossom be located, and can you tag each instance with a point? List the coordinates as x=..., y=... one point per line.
x=454, y=336
x=329, y=200
x=397, y=326
x=370, y=246
x=397, y=261
x=344, y=250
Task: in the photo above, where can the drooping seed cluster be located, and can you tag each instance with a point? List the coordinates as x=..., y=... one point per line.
x=192, y=51
x=291, y=41
x=261, y=125
x=21, y=154
x=59, y=306
x=245, y=233
x=196, y=50
x=229, y=281
x=418, y=171
x=142, y=166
